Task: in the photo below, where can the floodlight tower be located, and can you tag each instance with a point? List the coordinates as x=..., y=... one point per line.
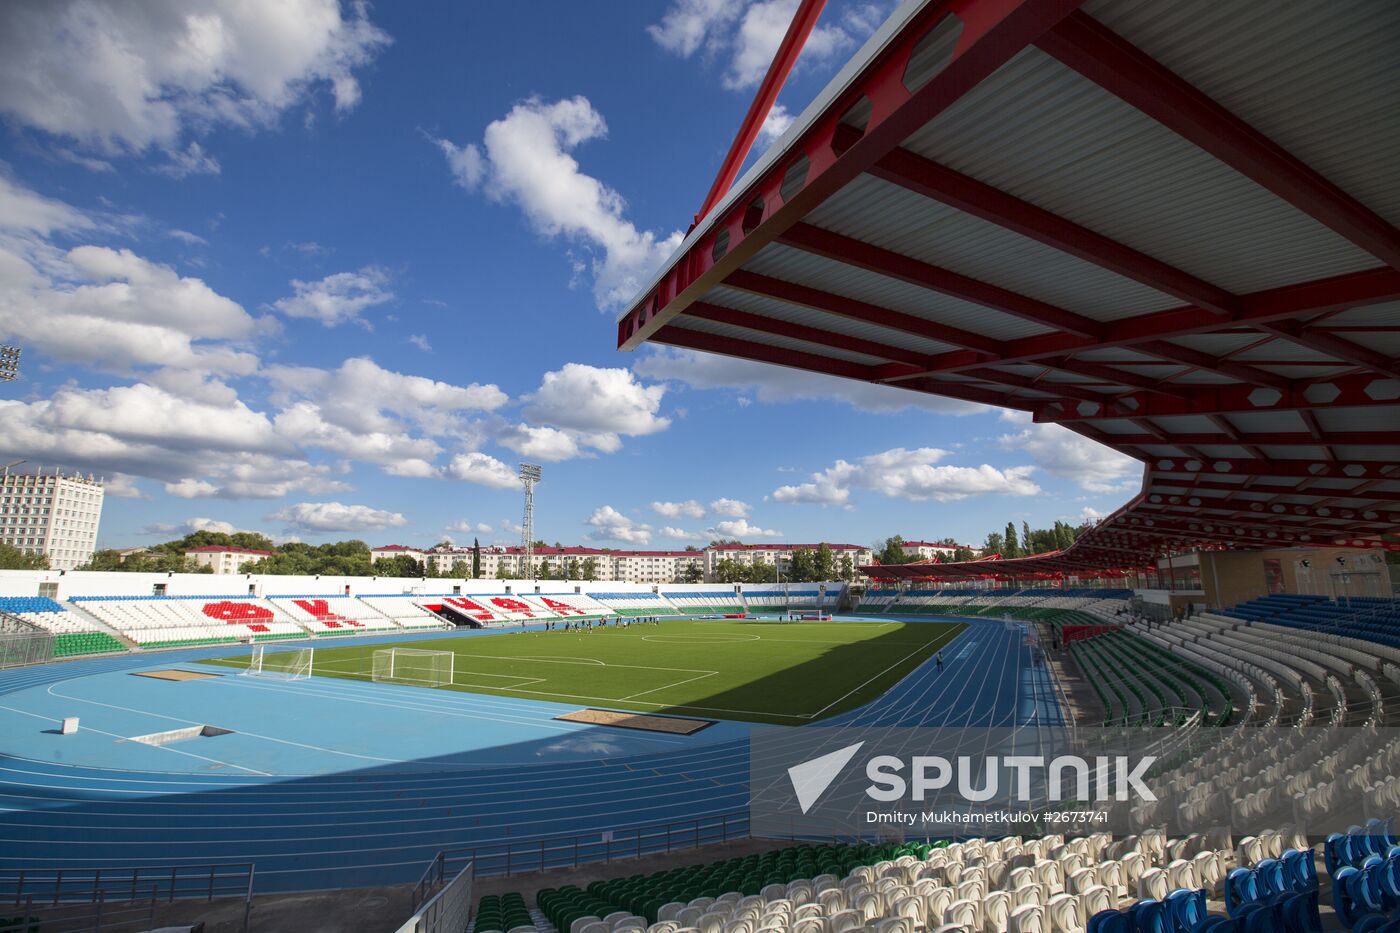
x=9, y=364
x=529, y=476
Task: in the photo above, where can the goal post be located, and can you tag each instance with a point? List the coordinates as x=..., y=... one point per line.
x=295, y=664
x=417, y=666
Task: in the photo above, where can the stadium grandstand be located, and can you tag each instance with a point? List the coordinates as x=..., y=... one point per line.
x=1170, y=228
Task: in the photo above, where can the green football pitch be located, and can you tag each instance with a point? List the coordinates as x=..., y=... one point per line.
x=751, y=670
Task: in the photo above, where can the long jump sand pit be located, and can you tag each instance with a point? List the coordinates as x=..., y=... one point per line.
x=672, y=725
x=174, y=675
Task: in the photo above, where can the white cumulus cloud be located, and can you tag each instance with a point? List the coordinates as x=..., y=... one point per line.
x=336, y=516
x=482, y=469
x=596, y=406
x=773, y=384
x=1067, y=455
x=611, y=525
x=525, y=158
x=340, y=298
x=732, y=508
x=741, y=528
x=909, y=474
x=126, y=78
x=687, y=509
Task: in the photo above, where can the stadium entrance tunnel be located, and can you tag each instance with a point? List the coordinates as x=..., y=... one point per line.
x=455, y=616
x=179, y=735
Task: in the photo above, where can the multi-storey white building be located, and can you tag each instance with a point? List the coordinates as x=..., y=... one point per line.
x=569, y=563
x=558, y=563
x=781, y=555
x=927, y=550
x=225, y=559
x=51, y=514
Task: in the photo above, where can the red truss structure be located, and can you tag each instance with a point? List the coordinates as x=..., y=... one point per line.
x=1170, y=227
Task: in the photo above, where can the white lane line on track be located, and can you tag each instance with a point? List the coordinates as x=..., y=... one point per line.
x=164, y=748
x=255, y=735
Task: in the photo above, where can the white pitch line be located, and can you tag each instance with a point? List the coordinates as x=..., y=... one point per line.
x=669, y=686
x=868, y=680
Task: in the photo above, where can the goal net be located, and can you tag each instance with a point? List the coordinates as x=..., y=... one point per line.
x=417, y=666
x=280, y=665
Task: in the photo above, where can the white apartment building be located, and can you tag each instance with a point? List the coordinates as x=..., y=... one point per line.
x=927, y=550
x=781, y=555
x=51, y=514
x=615, y=566
x=225, y=559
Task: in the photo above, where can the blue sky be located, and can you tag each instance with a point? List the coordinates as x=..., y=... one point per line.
x=327, y=270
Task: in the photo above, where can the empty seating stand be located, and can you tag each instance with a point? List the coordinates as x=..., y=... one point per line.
x=706, y=602
x=185, y=621
x=73, y=635
x=634, y=604
x=333, y=615
x=405, y=609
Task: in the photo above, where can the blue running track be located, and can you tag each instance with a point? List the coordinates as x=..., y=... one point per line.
x=330, y=783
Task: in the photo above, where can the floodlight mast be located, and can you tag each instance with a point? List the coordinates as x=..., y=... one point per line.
x=529, y=476
x=9, y=363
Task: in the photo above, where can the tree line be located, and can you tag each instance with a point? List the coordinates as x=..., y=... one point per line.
x=1008, y=543
x=808, y=565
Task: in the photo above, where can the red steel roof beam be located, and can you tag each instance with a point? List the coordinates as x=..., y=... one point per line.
x=862, y=255
x=940, y=183
x=803, y=21
x=990, y=33
x=1098, y=53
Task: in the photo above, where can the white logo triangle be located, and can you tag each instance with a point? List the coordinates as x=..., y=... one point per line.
x=811, y=778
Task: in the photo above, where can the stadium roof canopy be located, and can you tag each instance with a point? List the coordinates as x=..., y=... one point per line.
x=1170, y=227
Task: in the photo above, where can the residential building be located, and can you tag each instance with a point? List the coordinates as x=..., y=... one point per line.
x=613, y=565
x=397, y=550
x=51, y=514
x=781, y=555
x=928, y=550
x=225, y=559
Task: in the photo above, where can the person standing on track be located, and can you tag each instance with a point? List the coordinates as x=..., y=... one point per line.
x=938, y=659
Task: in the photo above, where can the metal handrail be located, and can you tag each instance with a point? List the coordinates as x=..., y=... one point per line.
x=549, y=853
x=71, y=887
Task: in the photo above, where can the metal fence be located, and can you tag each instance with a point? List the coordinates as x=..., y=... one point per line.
x=448, y=910
x=96, y=898
x=22, y=644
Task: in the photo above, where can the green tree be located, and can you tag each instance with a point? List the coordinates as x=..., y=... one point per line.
x=963, y=553
x=803, y=567
x=995, y=544
x=503, y=571
x=476, y=558
x=589, y=570
x=892, y=551
x=546, y=569
x=729, y=570
x=1013, y=547
x=1027, y=546
x=571, y=569
x=761, y=572
x=824, y=563
x=692, y=572
x=848, y=568
x=400, y=565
